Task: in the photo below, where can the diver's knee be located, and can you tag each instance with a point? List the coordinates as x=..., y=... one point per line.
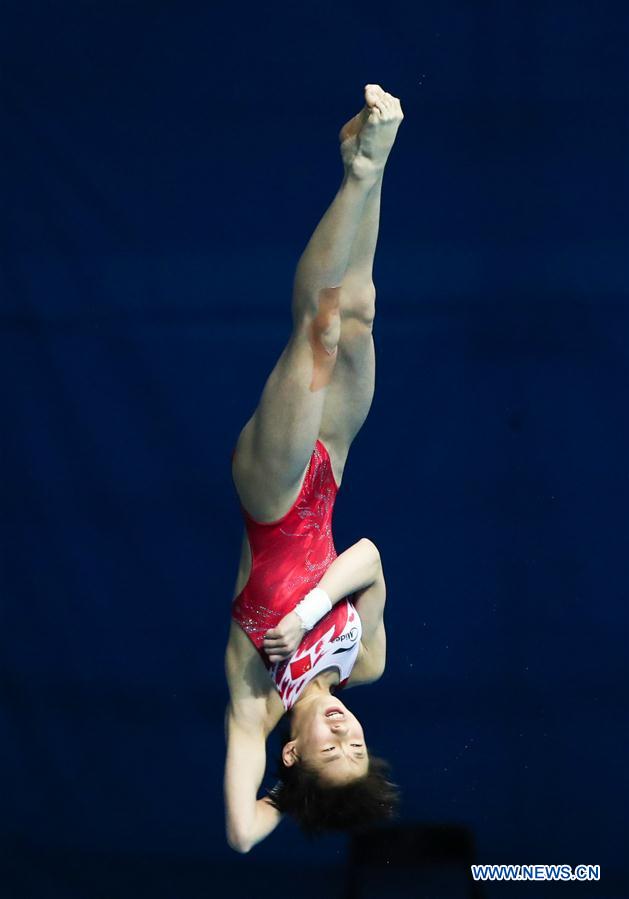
x=326, y=330
x=360, y=304
x=326, y=324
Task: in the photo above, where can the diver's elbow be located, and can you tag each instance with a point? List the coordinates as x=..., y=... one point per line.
x=239, y=842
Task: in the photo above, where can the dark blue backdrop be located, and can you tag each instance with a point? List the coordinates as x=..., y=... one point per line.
x=163, y=165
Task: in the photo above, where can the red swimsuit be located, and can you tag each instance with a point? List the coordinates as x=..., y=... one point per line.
x=289, y=557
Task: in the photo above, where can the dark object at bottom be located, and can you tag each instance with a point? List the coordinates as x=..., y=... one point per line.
x=422, y=861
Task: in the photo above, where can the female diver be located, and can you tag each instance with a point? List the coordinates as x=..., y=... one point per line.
x=295, y=636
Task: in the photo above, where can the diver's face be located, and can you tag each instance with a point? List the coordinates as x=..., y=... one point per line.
x=330, y=740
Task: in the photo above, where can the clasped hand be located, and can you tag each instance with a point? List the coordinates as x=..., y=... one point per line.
x=282, y=641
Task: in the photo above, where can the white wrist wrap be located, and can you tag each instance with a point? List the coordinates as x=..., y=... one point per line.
x=313, y=607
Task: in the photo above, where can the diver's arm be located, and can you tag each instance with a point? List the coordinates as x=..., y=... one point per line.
x=357, y=570
x=248, y=820
x=248, y=722
x=370, y=607
x=354, y=570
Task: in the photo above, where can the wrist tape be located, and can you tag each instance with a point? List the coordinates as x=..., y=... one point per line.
x=313, y=607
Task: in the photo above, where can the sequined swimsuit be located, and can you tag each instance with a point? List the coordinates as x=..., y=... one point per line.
x=289, y=557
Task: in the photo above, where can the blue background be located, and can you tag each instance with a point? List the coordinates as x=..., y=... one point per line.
x=163, y=165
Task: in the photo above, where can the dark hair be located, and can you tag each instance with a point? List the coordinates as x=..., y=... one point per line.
x=318, y=807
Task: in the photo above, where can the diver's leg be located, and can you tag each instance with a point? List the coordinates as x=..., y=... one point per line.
x=351, y=389
x=276, y=444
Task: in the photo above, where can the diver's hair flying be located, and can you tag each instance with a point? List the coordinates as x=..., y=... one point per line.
x=318, y=807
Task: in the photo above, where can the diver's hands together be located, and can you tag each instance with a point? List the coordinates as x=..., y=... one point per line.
x=282, y=641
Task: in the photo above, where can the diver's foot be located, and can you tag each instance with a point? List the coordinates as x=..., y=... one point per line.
x=367, y=138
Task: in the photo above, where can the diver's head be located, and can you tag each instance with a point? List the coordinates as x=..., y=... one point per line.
x=328, y=739
x=327, y=778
